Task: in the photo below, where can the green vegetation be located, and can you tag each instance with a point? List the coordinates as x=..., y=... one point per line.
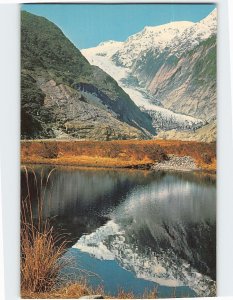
x=35, y=120
x=46, y=51
x=44, y=47
x=47, y=54
x=205, y=68
x=30, y=124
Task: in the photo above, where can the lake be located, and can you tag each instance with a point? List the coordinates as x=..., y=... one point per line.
x=134, y=229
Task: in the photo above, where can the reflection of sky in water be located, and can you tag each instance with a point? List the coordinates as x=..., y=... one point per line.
x=160, y=227
x=115, y=277
x=156, y=232
x=170, y=199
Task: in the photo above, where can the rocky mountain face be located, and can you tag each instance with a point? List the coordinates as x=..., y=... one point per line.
x=169, y=71
x=188, y=84
x=205, y=134
x=63, y=96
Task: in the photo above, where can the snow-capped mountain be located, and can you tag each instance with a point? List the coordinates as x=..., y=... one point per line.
x=175, y=36
x=150, y=216
x=110, y=242
x=158, y=37
x=167, y=70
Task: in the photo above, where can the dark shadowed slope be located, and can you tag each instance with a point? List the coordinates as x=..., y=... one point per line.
x=63, y=96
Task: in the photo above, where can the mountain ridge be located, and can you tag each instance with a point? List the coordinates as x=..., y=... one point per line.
x=46, y=56
x=153, y=68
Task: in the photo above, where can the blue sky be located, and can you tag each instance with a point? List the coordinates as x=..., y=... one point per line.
x=86, y=25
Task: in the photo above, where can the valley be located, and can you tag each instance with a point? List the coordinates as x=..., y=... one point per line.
x=168, y=71
x=160, y=82
x=118, y=151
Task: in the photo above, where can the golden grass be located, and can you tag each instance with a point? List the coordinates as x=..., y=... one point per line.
x=150, y=294
x=41, y=248
x=69, y=291
x=115, y=153
x=40, y=259
x=87, y=161
x=41, y=253
x=79, y=289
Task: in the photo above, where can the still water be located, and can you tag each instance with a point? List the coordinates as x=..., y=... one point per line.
x=135, y=229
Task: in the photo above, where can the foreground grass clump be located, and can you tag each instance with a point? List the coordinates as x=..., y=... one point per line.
x=42, y=250
x=41, y=247
x=41, y=265
x=79, y=289
x=40, y=259
x=69, y=291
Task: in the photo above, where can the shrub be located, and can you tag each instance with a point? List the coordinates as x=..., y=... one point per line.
x=206, y=158
x=157, y=153
x=50, y=150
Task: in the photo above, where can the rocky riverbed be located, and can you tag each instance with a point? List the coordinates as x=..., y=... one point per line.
x=177, y=163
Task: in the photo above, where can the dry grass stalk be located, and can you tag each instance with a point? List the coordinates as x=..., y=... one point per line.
x=116, y=153
x=41, y=247
x=41, y=253
x=150, y=294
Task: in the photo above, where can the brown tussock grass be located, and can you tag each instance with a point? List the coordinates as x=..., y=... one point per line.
x=77, y=290
x=41, y=248
x=40, y=264
x=115, y=153
x=41, y=253
x=69, y=291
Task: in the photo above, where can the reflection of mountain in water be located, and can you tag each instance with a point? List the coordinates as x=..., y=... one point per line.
x=160, y=227
x=176, y=214
x=81, y=198
x=164, y=232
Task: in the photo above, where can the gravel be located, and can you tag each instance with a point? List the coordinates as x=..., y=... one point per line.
x=183, y=163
